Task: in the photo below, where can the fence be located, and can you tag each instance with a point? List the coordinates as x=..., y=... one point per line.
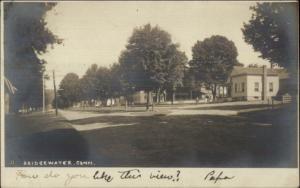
x=286, y=98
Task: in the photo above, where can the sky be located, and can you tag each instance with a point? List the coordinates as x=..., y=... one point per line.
x=97, y=32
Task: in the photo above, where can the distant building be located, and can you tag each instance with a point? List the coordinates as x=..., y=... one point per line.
x=139, y=97
x=254, y=83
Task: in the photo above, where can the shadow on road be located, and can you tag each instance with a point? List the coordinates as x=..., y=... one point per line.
x=61, y=144
x=42, y=138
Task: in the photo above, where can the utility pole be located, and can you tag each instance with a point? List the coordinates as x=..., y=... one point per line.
x=55, y=94
x=43, y=92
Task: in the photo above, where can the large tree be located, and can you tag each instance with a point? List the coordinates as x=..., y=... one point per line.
x=88, y=83
x=69, y=90
x=116, y=82
x=213, y=59
x=97, y=83
x=103, y=86
x=102, y=83
x=26, y=35
x=190, y=82
x=273, y=31
x=174, y=69
x=150, y=60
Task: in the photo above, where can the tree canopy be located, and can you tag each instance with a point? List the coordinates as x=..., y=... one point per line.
x=101, y=82
x=273, y=31
x=88, y=83
x=118, y=87
x=69, y=90
x=212, y=61
x=175, y=67
x=151, y=60
x=25, y=36
x=104, y=83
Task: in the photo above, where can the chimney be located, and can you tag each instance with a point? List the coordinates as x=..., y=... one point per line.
x=264, y=84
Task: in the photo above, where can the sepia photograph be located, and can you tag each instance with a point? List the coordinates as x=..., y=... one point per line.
x=183, y=84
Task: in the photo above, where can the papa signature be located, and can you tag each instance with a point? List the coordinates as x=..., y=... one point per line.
x=215, y=177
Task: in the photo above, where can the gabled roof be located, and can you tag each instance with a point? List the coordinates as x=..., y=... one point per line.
x=237, y=71
x=282, y=73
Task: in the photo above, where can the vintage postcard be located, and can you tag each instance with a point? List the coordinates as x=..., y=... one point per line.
x=149, y=94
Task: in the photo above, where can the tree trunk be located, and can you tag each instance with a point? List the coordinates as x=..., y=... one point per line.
x=104, y=102
x=126, y=104
x=152, y=106
x=148, y=100
x=111, y=103
x=214, y=92
x=158, y=96
x=173, y=97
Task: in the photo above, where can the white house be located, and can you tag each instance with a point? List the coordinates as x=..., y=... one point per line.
x=254, y=83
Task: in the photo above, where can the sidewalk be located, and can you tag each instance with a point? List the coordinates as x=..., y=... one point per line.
x=191, y=109
x=236, y=103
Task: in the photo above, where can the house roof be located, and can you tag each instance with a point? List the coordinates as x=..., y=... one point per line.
x=237, y=71
x=282, y=73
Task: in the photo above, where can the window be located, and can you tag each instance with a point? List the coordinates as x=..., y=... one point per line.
x=256, y=86
x=235, y=88
x=243, y=87
x=271, y=87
